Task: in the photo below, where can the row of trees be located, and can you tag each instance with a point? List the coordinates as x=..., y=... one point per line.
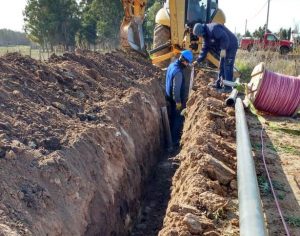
x=85, y=22
x=9, y=37
x=284, y=34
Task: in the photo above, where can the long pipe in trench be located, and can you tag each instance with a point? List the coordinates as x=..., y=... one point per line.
x=250, y=209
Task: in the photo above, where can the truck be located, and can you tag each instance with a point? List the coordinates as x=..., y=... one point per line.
x=268, y=42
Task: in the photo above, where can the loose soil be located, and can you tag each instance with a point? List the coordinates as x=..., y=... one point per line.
x=156, y=196
x=282, y=152
x=204, y=188
x=78, y=137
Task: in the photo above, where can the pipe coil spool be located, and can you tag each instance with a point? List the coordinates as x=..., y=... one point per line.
x=274, y=93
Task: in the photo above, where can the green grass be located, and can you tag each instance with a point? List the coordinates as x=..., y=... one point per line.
x=265, y=187
x=285, y=148
x=256, y=146
x=289, y=149
x=246, y=61
x=293, y=220
x=285, y=130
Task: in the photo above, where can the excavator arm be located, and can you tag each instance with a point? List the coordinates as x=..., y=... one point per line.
x=131, y=31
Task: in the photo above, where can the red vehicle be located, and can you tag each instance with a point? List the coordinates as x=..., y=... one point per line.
x=268, y=42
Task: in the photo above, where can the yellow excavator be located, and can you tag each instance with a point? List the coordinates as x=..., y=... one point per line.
x=173, y=30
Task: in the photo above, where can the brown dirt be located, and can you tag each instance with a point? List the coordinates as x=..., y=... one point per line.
x=282, y=152
x=78, y=135
x=156, y=195
x=204, y=191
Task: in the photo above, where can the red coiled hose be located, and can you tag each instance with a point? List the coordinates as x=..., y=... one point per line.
x=278, y=94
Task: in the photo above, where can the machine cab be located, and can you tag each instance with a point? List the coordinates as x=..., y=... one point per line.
x=200, y=11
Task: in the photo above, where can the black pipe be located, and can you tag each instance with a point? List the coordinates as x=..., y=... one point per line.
x=230, y=101
x=159, y=48
x=250, y=209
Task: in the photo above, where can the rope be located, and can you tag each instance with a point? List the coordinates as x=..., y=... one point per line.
x=271, y=184
x=279, y=94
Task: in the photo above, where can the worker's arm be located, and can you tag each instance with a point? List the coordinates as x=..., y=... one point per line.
x=204, y=51
x=177, y=83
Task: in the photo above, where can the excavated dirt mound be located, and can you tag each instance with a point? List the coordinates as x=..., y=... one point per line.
x=204, y=190
x=78, y=135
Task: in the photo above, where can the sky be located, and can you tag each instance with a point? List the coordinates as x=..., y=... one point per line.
x=11, y=16
x=283, y=14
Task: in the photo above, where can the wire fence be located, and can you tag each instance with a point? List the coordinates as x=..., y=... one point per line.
x=39, y=53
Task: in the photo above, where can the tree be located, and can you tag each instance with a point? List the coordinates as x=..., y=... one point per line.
x=68, y=22
x=149, y=22
x=100, y=20
x=88, y=31
x=259, y=33
x=9, y=37
x=247, y=34
x=282, y=33
x=35, y=22
x=285, y=33
x=52, y=22
x=109, y=14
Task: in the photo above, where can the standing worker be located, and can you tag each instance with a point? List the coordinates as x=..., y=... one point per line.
x=175, y=92
x=218, y=38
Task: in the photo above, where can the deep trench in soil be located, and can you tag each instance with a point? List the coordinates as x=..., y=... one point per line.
x=79, y=158
x=155, y=196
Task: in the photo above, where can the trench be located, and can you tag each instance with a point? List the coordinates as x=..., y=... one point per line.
x=104, y=112
x=110, y=175
x=155, y=197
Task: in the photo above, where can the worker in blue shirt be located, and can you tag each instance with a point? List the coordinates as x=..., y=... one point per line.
x=175, y=92
x=219, y=39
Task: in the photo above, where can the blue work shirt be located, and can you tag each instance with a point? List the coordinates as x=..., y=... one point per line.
x=175, y=82
x=217, y=37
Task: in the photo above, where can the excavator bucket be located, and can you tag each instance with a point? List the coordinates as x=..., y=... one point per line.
x=131, y=31
x=132, y=35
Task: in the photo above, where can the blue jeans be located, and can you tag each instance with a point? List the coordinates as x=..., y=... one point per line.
x=176, y=123
x=226, y=67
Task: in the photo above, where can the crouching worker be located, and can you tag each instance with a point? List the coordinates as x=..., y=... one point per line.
x=175, y=93
x=218, y=38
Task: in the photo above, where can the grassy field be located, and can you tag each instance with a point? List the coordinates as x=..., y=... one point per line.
x=246, y=61
x=26, y=51
x=40, y=55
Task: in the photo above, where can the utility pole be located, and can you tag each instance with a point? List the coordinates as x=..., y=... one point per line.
x=266, y=30
x=246, y=27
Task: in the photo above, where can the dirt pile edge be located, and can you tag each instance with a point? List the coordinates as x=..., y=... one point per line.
x=103, y=114
x=204, y=190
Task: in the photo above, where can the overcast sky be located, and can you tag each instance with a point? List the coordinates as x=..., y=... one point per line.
x=283, y=13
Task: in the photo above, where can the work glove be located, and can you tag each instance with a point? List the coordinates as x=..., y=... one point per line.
x=223, y=53
x=178, y=106
x=183, y=112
